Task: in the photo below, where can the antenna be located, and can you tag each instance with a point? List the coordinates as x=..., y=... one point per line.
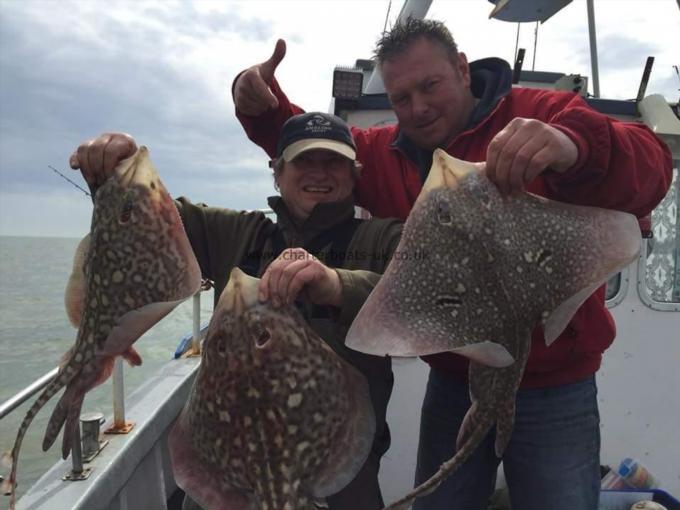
x=645, y=79
x=69, y=180
x=387, y=16
x=533, y=63
x=517, y=69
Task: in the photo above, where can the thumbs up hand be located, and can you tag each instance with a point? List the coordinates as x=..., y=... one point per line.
x=252, y=95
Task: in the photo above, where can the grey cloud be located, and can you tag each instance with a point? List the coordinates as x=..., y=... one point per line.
x=59, y=87
x=664, y=80
x=295, y=38
x=189, y=21
x=617, y=52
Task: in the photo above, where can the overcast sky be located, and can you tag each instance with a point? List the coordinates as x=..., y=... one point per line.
x=162, y=71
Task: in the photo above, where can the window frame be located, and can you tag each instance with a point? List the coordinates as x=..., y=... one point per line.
x=622, y=291
x=642, y=288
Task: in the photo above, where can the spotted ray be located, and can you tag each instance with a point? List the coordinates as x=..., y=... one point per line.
x=276, y=420
x=475, y=273
x=135, y=265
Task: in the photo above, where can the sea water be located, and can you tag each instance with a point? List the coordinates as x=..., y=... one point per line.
x=35, y=332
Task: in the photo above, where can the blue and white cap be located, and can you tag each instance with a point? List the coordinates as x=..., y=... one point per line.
x=315, y=130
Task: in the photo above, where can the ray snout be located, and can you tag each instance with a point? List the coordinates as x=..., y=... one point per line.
x=240, y=293
x=137, y=170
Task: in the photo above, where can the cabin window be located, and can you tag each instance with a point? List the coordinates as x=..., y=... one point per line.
x=613, y=287
x=662, y=257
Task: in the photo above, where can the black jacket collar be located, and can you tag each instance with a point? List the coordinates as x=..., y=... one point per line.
x=324, y=216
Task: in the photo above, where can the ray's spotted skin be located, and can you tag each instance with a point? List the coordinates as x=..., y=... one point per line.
x=132, y=269
x=276, y=420
x=495, y=268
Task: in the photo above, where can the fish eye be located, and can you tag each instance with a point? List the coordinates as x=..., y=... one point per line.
x=480, y=192
x=221, y=343
x=444, y=213
x=126, y=212
x=261, y=335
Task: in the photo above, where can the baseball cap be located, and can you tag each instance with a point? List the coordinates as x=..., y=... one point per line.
x=315, y=130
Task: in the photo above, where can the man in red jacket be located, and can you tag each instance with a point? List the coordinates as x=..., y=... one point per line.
x=549, y=143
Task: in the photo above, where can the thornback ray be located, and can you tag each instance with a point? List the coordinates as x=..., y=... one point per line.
x=133, y=268
x=494, y=267
x=276, y=419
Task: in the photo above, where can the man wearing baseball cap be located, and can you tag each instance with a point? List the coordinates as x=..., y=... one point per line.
x=316, y=254
x=315, y=163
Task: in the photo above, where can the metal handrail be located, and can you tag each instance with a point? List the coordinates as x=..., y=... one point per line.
x=77, y=472
x=13, y=402
x=22, y=396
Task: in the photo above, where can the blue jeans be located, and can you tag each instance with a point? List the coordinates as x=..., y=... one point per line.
x=552, y=460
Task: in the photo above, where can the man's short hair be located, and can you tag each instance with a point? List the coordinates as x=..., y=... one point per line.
x=403, y=35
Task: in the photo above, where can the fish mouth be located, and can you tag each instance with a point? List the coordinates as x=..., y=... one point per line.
x=240, y=293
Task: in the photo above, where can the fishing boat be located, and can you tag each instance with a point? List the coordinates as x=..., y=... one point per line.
x=130, y=469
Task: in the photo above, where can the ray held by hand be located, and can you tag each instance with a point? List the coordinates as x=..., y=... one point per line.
x=276, y=419
x=134, y=267
x=497, y=266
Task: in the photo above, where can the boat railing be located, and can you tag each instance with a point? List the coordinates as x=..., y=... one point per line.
x=22, y=396
x=92, y=421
